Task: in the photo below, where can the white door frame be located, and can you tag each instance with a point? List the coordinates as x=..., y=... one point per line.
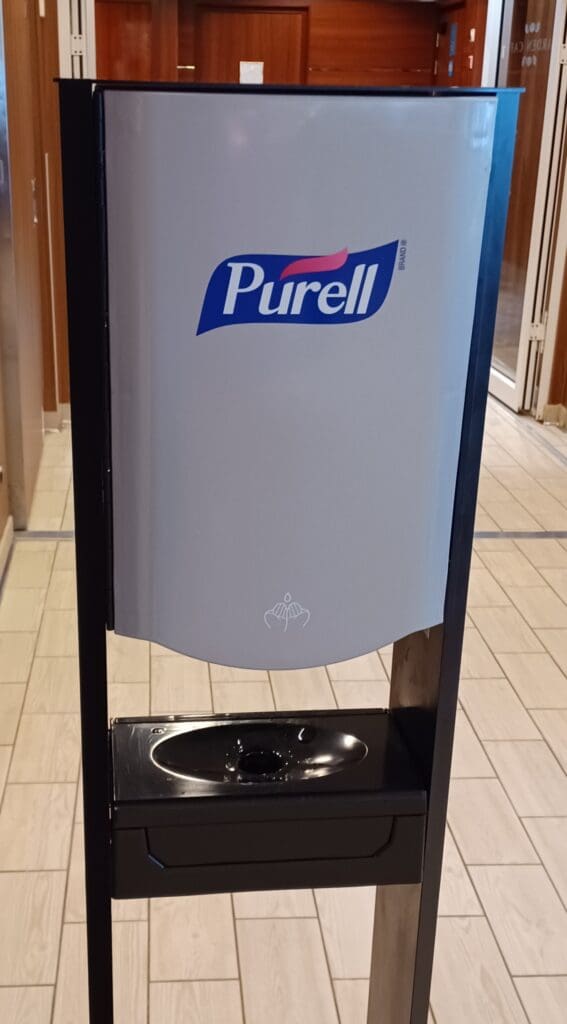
x=518, y=394
x=77, y=38
x=557, y=270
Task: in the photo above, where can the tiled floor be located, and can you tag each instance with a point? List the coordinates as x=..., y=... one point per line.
x=289, y=958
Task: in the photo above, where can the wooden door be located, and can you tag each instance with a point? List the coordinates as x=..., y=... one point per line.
x=124, y=39
x=23, y=370
x=228, y=35
x=452, y=29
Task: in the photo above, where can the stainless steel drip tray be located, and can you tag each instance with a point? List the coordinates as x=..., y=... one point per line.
x=231, y=802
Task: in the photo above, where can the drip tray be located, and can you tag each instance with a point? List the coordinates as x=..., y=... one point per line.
x=242, y=802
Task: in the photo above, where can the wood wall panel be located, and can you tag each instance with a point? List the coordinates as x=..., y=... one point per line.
x=371, y=78
x=124, y=39
x=227, y=35
x=350, y=42
x=361, y=34
x=48, y=70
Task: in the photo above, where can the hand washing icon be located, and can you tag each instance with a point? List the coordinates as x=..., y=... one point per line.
x=285, y=613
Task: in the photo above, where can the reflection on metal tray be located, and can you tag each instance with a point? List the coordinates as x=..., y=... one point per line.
x=251, y=753
x=231, y=755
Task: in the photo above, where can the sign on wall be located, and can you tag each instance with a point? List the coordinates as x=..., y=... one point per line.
x=292, y=282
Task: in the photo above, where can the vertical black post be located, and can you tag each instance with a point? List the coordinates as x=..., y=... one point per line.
x=81, y=125
x=462, y=538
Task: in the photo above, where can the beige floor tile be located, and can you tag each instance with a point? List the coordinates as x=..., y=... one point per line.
x=179, y=685
x=510, y=515
x=477, y=661
x=128, y=699
x=195, y=1002
x=489, y=489
x=553, y=725
x=531, y=776
x=62, y=591
x=71, y=995
x=284, y=973
x=16, y=653
x=484, y=591
x=362, y=694
x=47, y=749
x=54, y=478
x=26, y=1005
x=242, y=697
x=504, y=630
x=11, y=700
x=130, y=910
x=128, y=659
x=227, y=674
x=58, y=634
x=65, y=555
x=546, y=553
x=21, y=609
x=368, y=666
x=35, y=826
x=30, y=566
x=352, y=1000
x=32, y=903
x=527, y=917
x=130, y=942
x=497, y=543
x=75, y=911
x=549, y=836
x=512, y=476
x=470, y=982
x=469, y=759
x=53, y=686
x=122, y=910
x=47, y=510
x=5, y=755
x=130, y=975
x=511, y=568
x=68, y=521
x=483, y=521
x=285, y=903
x=536, y=679
x=485, y=825
x=457, y=897
x=347, y=919
x=58, y=455
x=545, y=999
x=303, y=690
x=496, y=455
x=557, y=578
x=192, y=938
x=555, y=641
x=540, y=606
x=546, y=509
x=495, y=711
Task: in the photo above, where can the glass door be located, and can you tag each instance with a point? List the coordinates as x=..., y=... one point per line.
x=530, y=59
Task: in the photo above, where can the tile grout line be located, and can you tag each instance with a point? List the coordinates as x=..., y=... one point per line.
x=326, y=955
x=238, y=958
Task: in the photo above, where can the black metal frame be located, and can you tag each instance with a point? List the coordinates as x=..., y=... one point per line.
x=426, y=668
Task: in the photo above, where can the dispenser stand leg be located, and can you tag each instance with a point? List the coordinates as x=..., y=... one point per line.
x=394, y=947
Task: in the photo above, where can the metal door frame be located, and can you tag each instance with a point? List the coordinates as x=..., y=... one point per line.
x=519, y=394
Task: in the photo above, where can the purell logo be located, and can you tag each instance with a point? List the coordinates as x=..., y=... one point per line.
x=337, y=289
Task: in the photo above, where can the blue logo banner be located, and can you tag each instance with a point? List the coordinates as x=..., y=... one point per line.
x=339, y=288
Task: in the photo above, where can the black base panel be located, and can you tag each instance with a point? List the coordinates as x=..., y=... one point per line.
x=174, y=835
x=136, y=874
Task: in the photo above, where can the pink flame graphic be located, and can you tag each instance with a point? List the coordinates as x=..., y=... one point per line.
x=315, y=264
